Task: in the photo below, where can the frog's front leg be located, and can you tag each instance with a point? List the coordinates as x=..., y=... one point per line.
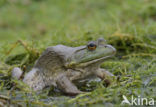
x=105, y=75
x=66, y=86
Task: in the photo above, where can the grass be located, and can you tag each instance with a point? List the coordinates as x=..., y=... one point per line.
x=129, y=25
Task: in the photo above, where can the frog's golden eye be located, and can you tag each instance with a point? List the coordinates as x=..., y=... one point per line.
x=91, y=46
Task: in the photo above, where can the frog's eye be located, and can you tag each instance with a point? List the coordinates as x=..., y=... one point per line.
x=91, y=46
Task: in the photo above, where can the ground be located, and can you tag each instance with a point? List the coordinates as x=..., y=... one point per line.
x=128, y=25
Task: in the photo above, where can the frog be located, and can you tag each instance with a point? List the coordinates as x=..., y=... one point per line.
x=64, y=67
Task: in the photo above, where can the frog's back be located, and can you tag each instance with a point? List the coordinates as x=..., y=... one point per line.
x=53, y=58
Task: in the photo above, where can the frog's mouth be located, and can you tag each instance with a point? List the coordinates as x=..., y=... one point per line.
x=84, y=64
x=99, y=60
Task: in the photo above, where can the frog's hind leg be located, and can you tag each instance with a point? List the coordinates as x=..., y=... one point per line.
x=34, y=80
x=66, y=86
x=105, y=75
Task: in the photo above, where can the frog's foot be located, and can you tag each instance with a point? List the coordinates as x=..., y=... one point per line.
x=105, y=75
x=66, y=86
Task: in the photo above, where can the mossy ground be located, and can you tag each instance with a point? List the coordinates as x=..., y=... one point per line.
x=129, y=25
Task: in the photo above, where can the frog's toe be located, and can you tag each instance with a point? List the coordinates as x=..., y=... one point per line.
x=73, y=93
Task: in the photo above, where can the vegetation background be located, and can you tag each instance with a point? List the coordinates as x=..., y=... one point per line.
x=129, y=25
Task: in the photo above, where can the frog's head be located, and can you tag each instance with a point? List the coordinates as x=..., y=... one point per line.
x=95, y=52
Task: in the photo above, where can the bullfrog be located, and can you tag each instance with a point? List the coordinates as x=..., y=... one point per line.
x=63, y=66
